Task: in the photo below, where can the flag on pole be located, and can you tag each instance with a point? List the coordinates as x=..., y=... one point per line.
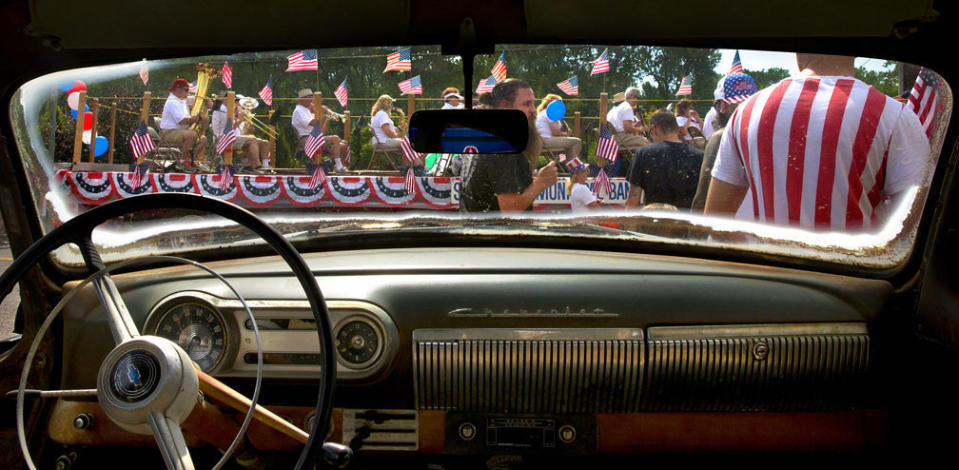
x=192, y=87
x=412, y=86
x=346, y=159
x=303, y=60
x=226, y=175
x=266, y=94
x=227, y=74
x=499, y=68
x=139, y=171
x=341, y=94
x=486, y=85
x=399, y=60
x=685, y=87
x=602, y=182
x=923, y=99
x=317, y=175
x=569, y=86
x=607, y=146
x=141, y=142
x=144, y=72
x=737, y=64
x=407, y=148
x=315, y=141
x=410, y=181
x=228, y=137
x=601, y=64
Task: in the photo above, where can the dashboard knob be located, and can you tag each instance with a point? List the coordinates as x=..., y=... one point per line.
x=467, y=431
x=567, y=433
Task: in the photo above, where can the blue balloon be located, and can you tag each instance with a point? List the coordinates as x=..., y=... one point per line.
x=73, y=112
x=100, y=145
x=65, y=86
x=556, y=110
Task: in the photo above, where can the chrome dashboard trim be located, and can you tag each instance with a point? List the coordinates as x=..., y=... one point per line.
x=292, y=341
x=528, y=370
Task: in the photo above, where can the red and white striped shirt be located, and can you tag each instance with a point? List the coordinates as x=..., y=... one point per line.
x=821, y=152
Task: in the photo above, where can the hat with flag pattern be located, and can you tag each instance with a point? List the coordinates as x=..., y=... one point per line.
x=737, y=87
x=574, y=165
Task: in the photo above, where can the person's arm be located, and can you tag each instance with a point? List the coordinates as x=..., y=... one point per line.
x=557, y=129
x=630, y=126
x=635, y=193
x=517, y=202
x=724, y=198
x=389, y=130
x=595, y=205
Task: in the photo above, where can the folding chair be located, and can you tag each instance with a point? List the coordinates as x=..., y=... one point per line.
x=377, y=148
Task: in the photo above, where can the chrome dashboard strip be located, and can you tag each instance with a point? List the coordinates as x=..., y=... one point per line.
x=527, y=370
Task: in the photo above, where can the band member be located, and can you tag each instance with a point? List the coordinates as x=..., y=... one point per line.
x=256, y=152
x=386, y=135
x=556, y=136
x=304, y=120
x=175, y=124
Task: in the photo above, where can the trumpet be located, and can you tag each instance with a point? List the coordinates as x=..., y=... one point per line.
x=333, y=114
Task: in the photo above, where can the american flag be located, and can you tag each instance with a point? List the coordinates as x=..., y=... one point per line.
x=923, y=99
x=407, y=148
x=499, y=68
x=139, y=170
x=303, y=60
x=141, y=143
x=192, y=88
x=602, y=182
x=412, y=86
x=227, y=74
x=315, y=141
x=346, y=158
x=569, y=86
x=144, y=72
x=226, y=175
x=685, y=88
x=601, y=64
x=267, y=92
x=737, y=64
x=228, y=137
x=399, y=60
x=410, y=181
x=486, y=85
x=317, y=175
x=607, y=146
x=341, y=94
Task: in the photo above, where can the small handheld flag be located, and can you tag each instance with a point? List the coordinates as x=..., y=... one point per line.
x=315, y=141
x=737, y=66
x=226, y=175
x=144, y=72
x=400, y=60
x=228, y=137
x=499, y=68
x=412, y=86
x=407, y=148
x=685, y=87
x=266, y=94
x=569, y=86
x=341, y=94
x=486, y=85
x=303, y=60
x=141, y=142
x=601, y=64
x=410, y=182
x=317, y=175
x=227, y=74
x=607, y=146
x=602, y=182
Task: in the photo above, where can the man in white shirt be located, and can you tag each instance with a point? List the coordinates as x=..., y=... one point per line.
x=626, y=128
x=256, y=151
x=176, y=120
x=303, y=121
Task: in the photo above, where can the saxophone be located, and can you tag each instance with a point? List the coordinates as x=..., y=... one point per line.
x=403, y=122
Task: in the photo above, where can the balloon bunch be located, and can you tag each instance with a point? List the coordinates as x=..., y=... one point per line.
x=100, y=144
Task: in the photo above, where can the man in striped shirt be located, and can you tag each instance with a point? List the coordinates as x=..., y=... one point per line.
x=820, y=151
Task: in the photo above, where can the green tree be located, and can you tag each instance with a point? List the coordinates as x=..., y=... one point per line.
x=770, y=76
x=886, y=81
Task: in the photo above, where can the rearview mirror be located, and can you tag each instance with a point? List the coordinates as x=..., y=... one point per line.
x=469, y=131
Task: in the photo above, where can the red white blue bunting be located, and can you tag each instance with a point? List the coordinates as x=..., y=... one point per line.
x=391, y=191
x=348, y=190
x=297, y=190
x=209, y=185
x=259, y=191
x=436, y=191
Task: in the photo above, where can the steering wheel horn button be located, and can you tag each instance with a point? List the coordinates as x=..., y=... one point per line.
x=135, y=376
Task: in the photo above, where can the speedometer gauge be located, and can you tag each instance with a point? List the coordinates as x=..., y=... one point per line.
x=198, y=329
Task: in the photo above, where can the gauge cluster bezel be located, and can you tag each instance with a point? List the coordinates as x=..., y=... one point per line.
x=240, y=340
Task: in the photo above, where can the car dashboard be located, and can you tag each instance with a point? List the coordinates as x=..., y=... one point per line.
x=479, y=351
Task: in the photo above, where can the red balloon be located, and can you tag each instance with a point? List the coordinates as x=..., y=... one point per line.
x=77, y=86
x=87, y=121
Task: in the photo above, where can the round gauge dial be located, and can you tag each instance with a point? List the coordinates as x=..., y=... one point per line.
x=198, y=329
x=357, y=342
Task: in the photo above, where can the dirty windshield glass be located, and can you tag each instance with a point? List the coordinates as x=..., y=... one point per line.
x=815, y=156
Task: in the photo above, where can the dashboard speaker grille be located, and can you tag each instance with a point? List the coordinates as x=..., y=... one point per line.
x=755, y=367
x=528, y=371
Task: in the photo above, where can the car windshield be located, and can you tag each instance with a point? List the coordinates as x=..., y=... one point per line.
x=798, y=156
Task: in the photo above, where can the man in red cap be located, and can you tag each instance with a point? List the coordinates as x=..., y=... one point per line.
x=176, y=121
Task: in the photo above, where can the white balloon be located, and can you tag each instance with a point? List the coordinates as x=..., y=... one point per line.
x=73, y=100
x=85, y=137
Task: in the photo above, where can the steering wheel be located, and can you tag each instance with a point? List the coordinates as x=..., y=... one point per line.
x=148, y=384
